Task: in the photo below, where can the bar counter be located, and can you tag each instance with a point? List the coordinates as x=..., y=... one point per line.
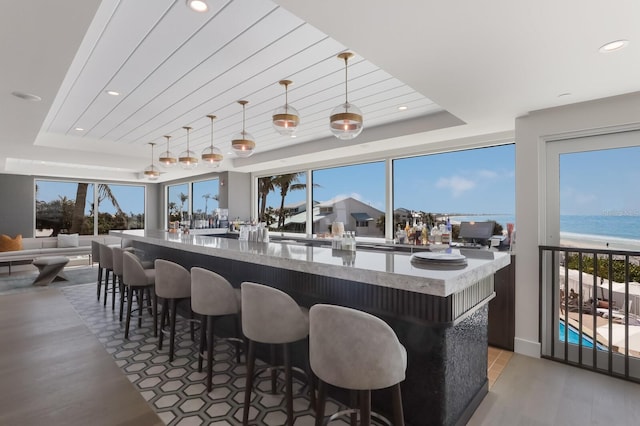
x=440, y=316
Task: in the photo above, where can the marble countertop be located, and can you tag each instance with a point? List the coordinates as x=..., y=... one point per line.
x=383, y=268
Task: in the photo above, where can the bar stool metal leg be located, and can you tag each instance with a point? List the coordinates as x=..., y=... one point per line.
x=289, y=383
x=320, y=402
x=251, y=361
x=210, y=325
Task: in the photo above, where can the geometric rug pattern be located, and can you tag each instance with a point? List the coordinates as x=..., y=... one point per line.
x=176, y=391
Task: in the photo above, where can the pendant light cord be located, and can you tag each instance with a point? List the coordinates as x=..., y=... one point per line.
x=243, y=132
x=346, y=79
x=212, y=134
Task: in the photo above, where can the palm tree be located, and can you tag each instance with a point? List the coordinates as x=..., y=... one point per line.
x=206, y=197
x=265, y=186
x=104, y=192
x=183, y=198
x=286, y=183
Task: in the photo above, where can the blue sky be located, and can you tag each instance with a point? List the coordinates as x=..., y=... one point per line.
x=129, y=197
x=600, y=182
x=472, y=181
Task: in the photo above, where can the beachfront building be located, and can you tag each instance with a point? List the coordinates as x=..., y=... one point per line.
x=573, y=98
x=356, y=216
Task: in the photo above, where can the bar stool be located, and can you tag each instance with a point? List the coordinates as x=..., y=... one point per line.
x=135, y=277
x=106, y=260
x=118, y=271
x=173, y=285
x=213, y=297
x=95, y=257
x=357, y=351
x=273, y=317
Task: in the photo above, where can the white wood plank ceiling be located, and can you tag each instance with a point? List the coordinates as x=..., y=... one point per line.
x=173, y=66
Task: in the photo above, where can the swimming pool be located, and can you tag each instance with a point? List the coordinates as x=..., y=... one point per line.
x=574, y=335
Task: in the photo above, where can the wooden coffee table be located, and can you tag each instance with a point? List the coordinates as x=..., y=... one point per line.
x=50, y=268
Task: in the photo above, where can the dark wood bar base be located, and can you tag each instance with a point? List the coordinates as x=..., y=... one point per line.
x=447, y=360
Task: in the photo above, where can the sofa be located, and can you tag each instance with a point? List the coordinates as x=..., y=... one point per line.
x=62, y=245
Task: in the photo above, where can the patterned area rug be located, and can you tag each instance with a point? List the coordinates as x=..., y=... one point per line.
x=23, y=281
x=176, y=391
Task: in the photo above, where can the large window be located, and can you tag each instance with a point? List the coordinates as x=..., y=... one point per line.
x=70, y=207
x=282, y=202
x=470, y=185
x=120, y=207
x=204, y=201
x=353, y=195
x=193, y=204
x=178, y=202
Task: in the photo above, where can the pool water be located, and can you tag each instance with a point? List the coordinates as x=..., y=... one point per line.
x=573, y=336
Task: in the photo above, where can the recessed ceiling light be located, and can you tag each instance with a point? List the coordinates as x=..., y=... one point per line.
x=27, y=96
x=79, y=129
x=613, y=46
x=403, y=108
x=293, y=136
x=198, y=5
x=113, y=93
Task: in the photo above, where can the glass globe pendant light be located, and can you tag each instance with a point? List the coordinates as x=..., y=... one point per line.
x=211, y=155
x=151, y=172
x=242, y=143
x=285, y=118
x=188, y=159
x=167, y=159
x=346, y=119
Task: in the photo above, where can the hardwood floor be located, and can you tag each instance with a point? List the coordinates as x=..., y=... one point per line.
x=54, y=371
x=532, y=391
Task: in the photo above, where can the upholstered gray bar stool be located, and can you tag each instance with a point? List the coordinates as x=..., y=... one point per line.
x=357, y=351
x=95, y=257
x=271, y=316
x=138, y=279
x=118, y=272
x=106, y=260
x=213, y=297
x=173, y=285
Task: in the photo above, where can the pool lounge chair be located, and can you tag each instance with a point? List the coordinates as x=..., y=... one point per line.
x=616, y=313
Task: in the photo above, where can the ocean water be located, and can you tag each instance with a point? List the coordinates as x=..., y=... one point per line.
x=626, y=227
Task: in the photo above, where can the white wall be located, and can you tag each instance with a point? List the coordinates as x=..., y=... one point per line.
x=532, y=133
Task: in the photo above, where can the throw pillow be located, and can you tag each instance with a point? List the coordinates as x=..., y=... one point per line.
x=67, y=240
x=10, y=244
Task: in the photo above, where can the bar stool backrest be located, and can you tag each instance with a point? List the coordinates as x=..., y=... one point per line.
x=271, y=316
x=106, y=257
x=172, y=280
x=352, y=349
x=117, y=260
x=95, y=252
x=212, y=294
x=133, y=274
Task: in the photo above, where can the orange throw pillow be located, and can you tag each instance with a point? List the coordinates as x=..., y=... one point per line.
x=10, y=244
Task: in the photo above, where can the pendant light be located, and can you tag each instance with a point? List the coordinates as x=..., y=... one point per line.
x=188, y=159
x=346, y=119
x=151, y=172
x=167, y=159
x=285, y=118
x=242, y=143
x=212, y=156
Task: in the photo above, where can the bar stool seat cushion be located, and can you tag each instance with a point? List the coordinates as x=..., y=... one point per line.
x=287, y=323
x=352, y=349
